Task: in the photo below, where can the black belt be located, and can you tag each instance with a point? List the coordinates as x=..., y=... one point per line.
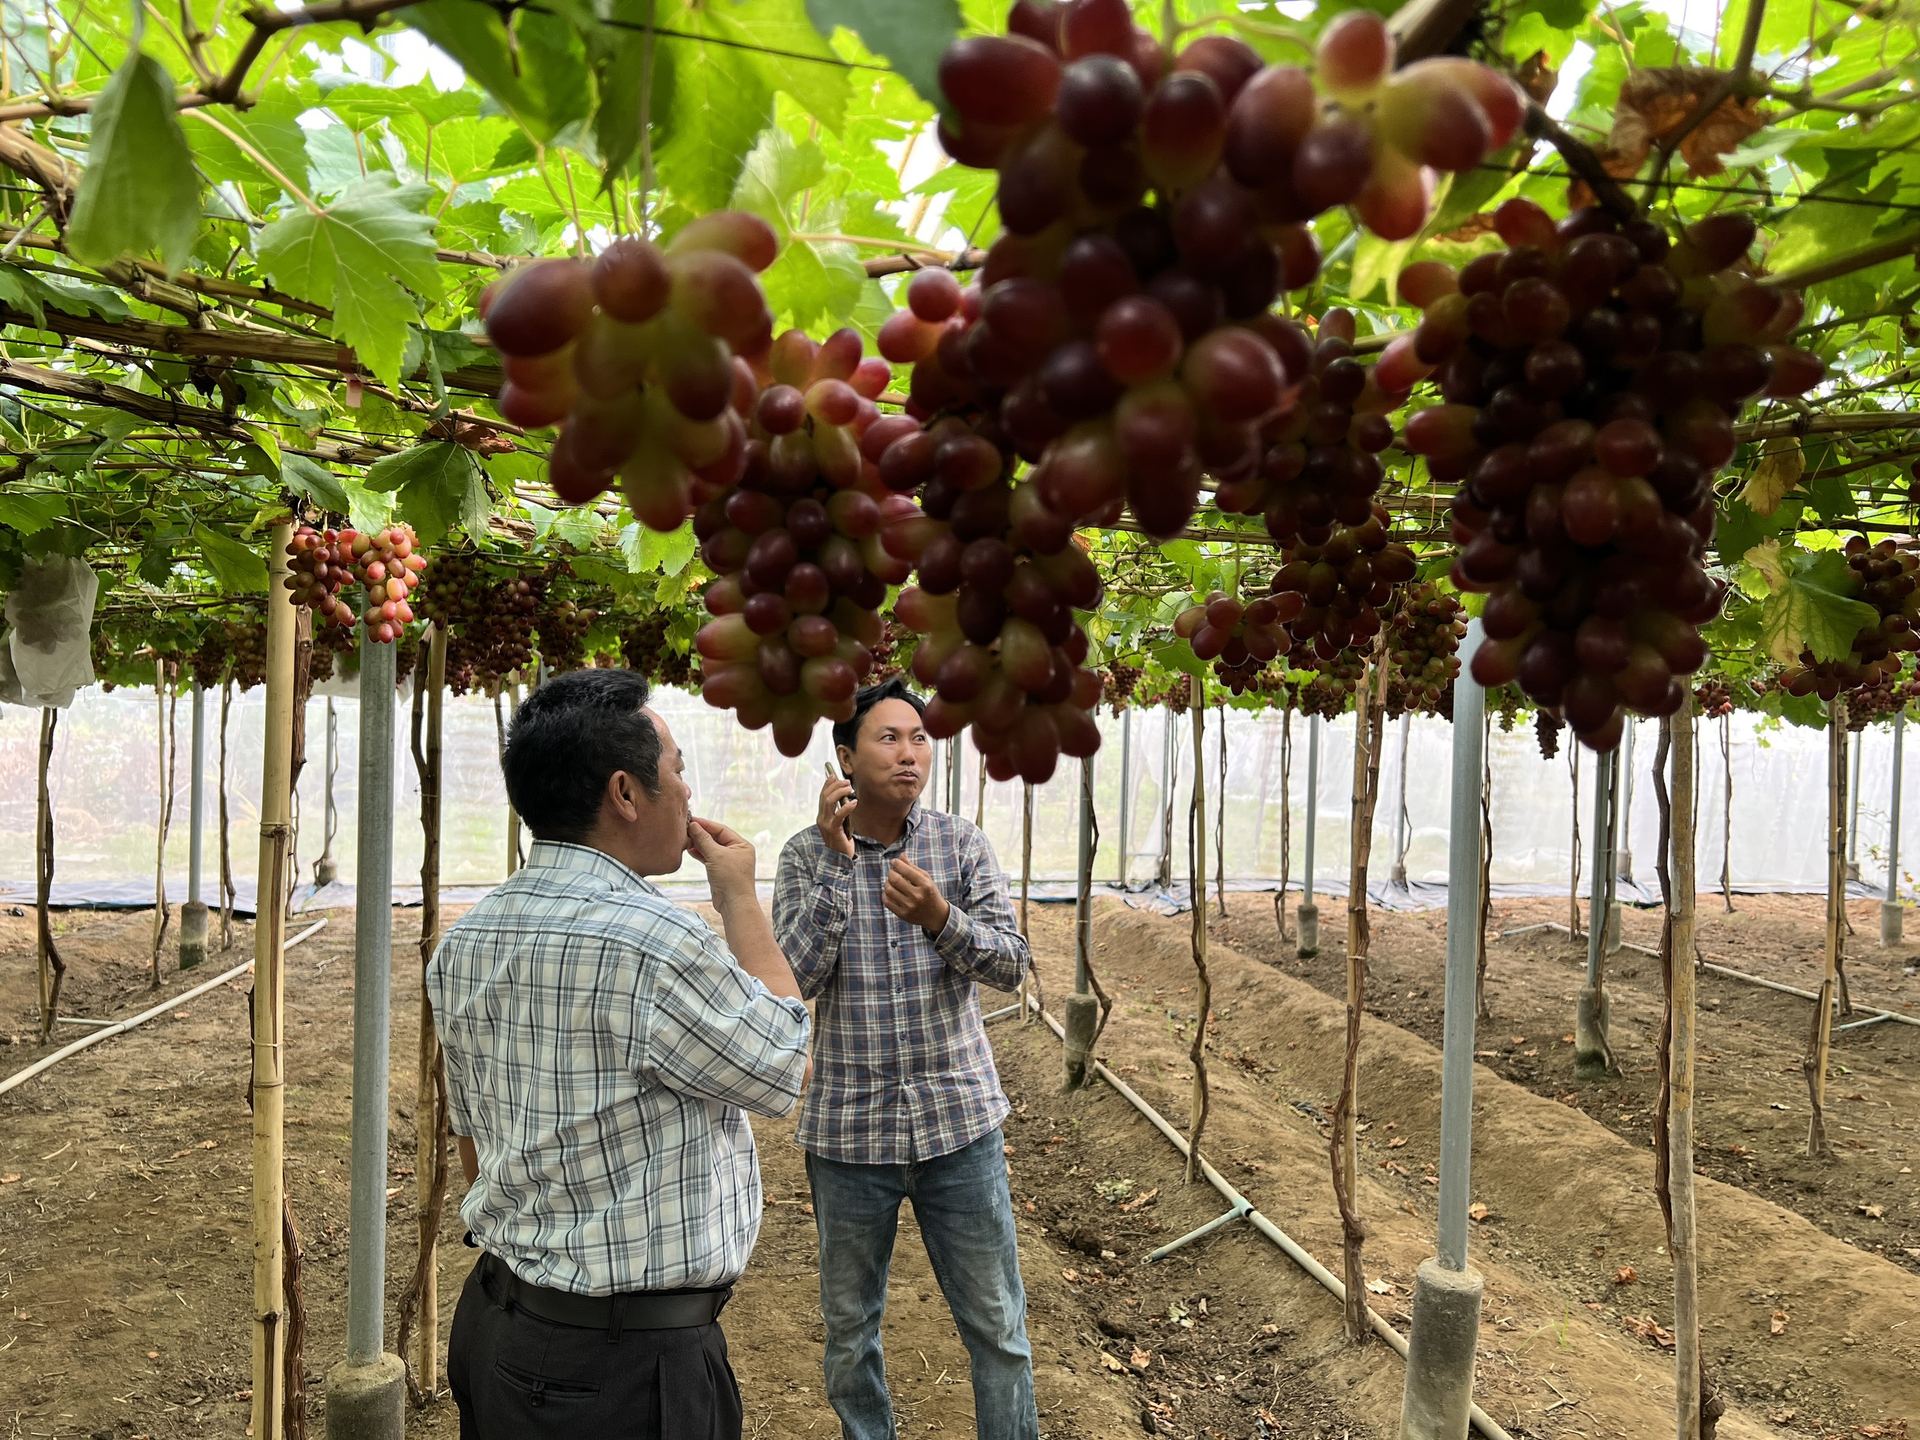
x=635, y=1310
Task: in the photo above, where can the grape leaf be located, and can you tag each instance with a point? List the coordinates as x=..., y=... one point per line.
x=239, y=568
x=315, y=481
x=538, y=73
x=912, y=34
x=355, y=256
x=28, y=514
x=720, y=104
x=1809, y=604
x=1778, y=472
x=140, y=191
x=438, y=485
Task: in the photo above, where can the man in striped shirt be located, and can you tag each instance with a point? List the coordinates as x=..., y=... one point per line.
x=603, y=1046
x=891, y=916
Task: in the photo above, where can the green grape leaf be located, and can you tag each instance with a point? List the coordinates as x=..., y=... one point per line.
x=438, y=485
x=720, y=103
x=538, y=73
x=140, y=191
x=355, y=256
x=28, y=514
x=912, y=34
x=313, y=480
x=1809, y=604
x=239, y=568
x=648, y=551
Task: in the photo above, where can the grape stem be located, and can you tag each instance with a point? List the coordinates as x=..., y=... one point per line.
x=1712, y=100
x=1582, y=161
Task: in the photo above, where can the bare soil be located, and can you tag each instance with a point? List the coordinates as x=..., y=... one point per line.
x=125, y=1270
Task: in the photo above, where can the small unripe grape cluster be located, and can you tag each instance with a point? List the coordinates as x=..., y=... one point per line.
x=634, y=355
x=1240, y=638
x=386, y=563
x=1887, y=578
x=1546, y=729
x=1592, y=374
x=1423, y=643
x=1332, y=593
x=796, y=546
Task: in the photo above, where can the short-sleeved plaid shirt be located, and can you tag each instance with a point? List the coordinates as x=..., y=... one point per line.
x=901, y=1067
x=601, y=1047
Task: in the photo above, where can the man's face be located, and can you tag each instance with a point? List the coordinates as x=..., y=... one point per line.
x=891, y=754
x=660, y=829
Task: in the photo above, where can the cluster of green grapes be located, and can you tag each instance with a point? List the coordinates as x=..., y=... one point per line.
x=796, y=545
x=636, y=355
x=1423, y=643
x=1884, y=576
x=1591, y=374
x=1240, y=638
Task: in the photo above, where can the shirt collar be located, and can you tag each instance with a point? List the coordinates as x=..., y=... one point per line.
x=565, y=855
x=906, y=833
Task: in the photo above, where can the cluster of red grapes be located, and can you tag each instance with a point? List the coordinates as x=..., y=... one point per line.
x=1887, y=578
x=207, y=662
x=1122, y=680
x=488, y=616
x=1880, y=699
x=1423, y=643
x=562, y=630
x=644, y=647
x=386, y=563
x=1176, y=697
x=1335, y=590
x=1240, y=638
x=634, y=355
x=246, y=648
x=887, y=654
x=1713, y=697
x=330, y=642
x=1546, y=728
x=796, y=546
x=1592, y=374
x=1329, y=690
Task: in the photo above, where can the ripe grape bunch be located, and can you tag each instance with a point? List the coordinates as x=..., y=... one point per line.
x=1122, y=681
x=1423, y=641
x=1879, y=699
x=796, y=546
x=1327, y=692
x=488, y=616
x=636, y=356
x=562, y=630
x=1239, y=638
x=386, y=563
x=1592, y=374
x=1887, y=578
x=1546, y=728
x=1713, y=697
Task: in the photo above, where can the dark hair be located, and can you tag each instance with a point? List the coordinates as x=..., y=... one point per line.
x=847, y=732
x=568, y=739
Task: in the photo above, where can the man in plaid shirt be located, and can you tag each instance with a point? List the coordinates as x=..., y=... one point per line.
x=891, y=915
x=602, y=1048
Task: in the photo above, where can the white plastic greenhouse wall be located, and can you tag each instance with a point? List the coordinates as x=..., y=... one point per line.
x=104, y=773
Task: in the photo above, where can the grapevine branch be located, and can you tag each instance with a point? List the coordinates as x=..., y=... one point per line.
x=1582, y=161
x=1713, y=99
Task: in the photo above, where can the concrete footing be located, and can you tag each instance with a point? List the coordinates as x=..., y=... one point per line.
x=1438, y=1401
x=1590, y=1033
x=1082, y=1020
x=367, y=1402
x=1309, y=915
x=193, y=934
x=1892, y=922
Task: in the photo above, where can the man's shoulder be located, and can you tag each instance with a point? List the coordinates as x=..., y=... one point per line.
x=577, y=906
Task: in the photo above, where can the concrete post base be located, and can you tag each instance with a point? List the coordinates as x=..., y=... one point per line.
x=1082, y=1019
x=193, y=934
x=1309, y=915
x=367, y=1402
x=1438, y=1401
x=1590, y=1033
x=1892, y=922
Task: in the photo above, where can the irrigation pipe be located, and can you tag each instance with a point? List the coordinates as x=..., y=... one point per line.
x=1482, y=1421
x=1803, y=994
x=122, y=1026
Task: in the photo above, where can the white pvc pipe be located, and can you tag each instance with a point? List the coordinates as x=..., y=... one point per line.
x=122, y=1026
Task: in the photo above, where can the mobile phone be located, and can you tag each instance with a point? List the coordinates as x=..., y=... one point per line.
x=835, y=773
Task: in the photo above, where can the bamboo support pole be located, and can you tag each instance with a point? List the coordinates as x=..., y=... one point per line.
x=1815, y=1064
x=52, y=968
x=1682, y=1244
x=269, y=937
x=1197, y=889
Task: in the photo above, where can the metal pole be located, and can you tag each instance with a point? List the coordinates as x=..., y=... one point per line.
x=372, y=963
x=193, y=914
x=1126, y=799
x=1438, y=1399
x=1463, y=878
x=1399, y=876
x=1309, y=913
x=1083, y=1011
x=956, y=772
x=1857, y=743
x=1590, y=1023
x=1891, y=922
x=1623, y=842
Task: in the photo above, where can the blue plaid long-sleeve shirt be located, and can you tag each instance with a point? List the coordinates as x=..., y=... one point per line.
x=602, y=1049
x=901, y=1065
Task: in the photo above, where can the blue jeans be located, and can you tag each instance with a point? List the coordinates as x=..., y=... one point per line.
x=966, y=1218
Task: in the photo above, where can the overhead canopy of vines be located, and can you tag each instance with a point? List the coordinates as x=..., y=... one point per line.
x=242, y=254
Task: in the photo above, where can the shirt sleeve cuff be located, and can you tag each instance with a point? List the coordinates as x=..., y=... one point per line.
x=956, y=938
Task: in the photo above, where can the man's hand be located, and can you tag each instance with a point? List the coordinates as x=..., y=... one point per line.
x=911, y=894
x=836, y=811
x=728, y=858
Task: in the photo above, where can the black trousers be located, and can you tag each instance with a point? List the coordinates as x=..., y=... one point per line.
x=516, y=1377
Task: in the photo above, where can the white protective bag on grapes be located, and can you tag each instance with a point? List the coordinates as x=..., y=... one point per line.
x=50, y=622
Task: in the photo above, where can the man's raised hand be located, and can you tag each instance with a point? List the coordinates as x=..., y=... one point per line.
x=911, y=894
x=836, y=811
x=728, y=857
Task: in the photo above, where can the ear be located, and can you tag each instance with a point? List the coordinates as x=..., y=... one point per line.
x=844, y=755
x=623, y=797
